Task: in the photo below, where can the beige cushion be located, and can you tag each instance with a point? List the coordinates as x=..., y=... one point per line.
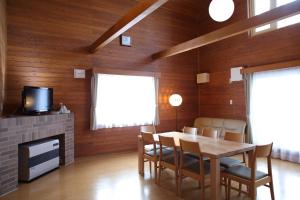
x=222, y=125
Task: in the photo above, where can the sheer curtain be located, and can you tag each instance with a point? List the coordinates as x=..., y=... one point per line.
x=275, y=111
x=120, y=101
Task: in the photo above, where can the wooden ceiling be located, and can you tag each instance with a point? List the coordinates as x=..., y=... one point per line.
x=146, y=7
x=133, y=16
x=231, y=30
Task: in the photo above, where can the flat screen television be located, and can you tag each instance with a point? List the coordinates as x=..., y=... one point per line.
x=37, y=99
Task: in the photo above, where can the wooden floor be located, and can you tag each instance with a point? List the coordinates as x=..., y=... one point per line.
x=115, y=176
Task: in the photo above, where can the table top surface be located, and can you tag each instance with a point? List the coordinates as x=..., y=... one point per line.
x=210, y=147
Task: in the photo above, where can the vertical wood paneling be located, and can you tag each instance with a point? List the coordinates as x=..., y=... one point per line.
x=2, y=52
x=48, y=39
x=217, y=59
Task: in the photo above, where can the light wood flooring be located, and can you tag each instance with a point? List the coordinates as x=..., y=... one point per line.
x=115, y=177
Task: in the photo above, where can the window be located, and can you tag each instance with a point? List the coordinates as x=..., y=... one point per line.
x=121, y=100
x=260, y=6
x=274, y=111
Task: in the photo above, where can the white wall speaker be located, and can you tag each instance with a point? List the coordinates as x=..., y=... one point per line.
x=235, y=74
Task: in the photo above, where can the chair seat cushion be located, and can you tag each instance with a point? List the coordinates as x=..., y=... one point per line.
x=196, y=156
x=244, y=172
x=165, y=151
x=193, y=165
x=229, y=162
x=150, y=147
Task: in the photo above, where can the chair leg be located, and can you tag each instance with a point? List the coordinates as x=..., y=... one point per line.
x=176, y=176
x=272, y=190
x=202, y=189
x=240, y=189
x=150, y=167
x=155, y=171
x=159, y=173
x=228, y=189
x=225, y=186
x=179, y=184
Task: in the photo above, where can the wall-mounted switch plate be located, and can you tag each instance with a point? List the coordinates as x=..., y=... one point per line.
x=79, y=73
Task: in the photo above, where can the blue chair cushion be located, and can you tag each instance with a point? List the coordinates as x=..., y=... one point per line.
x=244, y=172
x=229, y=162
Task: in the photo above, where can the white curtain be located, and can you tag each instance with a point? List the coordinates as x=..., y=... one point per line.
x=122, y=101
x=275, y=111
x=94, y=94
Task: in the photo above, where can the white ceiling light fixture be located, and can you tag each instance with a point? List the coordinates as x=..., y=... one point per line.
x=221, y=10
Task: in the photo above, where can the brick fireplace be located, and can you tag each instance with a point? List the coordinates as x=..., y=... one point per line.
x=17, y=130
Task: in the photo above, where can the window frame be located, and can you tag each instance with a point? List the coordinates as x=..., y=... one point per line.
x=95, y=71
x=273, y=25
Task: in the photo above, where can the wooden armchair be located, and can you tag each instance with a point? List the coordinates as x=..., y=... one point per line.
x=168, y=157
x=250, y=176
x=210, y=132
x=190, y=130
x=227, y=161
x=195, y=168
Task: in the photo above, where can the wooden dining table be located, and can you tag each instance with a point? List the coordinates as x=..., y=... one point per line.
x=210, y=147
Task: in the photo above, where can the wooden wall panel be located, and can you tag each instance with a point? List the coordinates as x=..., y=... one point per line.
x=48, y=39
x=243, y=50
x=2, y=52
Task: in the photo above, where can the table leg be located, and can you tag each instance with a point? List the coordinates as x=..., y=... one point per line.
x=140, y=156
x=215, y=178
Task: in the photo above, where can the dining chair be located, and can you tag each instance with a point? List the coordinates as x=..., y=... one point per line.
x=190, y=130
x=150, y=155
x=168, y=157
x=227, y=161
x=210, y=132
x=195, y=168
x=250, y=176
x=148, y=129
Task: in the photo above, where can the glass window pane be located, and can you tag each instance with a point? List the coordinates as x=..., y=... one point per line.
x=283, y=2
x=125, y=101
x=261, y=6
x=288, y=21
x=262, y=28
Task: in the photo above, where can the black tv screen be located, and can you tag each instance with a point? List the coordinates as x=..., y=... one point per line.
x=37, y=99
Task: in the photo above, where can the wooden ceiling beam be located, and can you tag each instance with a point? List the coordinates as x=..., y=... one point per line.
x=234, y=29
x=136, y=14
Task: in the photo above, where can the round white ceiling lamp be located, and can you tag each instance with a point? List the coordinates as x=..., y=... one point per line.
x=221, y=10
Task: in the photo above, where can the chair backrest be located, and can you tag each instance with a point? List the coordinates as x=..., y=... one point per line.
x=210, y=132
x=191, y=147
x=234, y=137
x=166, y=141
x=148, y=129
x=147, y=138
x=190, y=130
x=170, y=143
x=263, y=150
